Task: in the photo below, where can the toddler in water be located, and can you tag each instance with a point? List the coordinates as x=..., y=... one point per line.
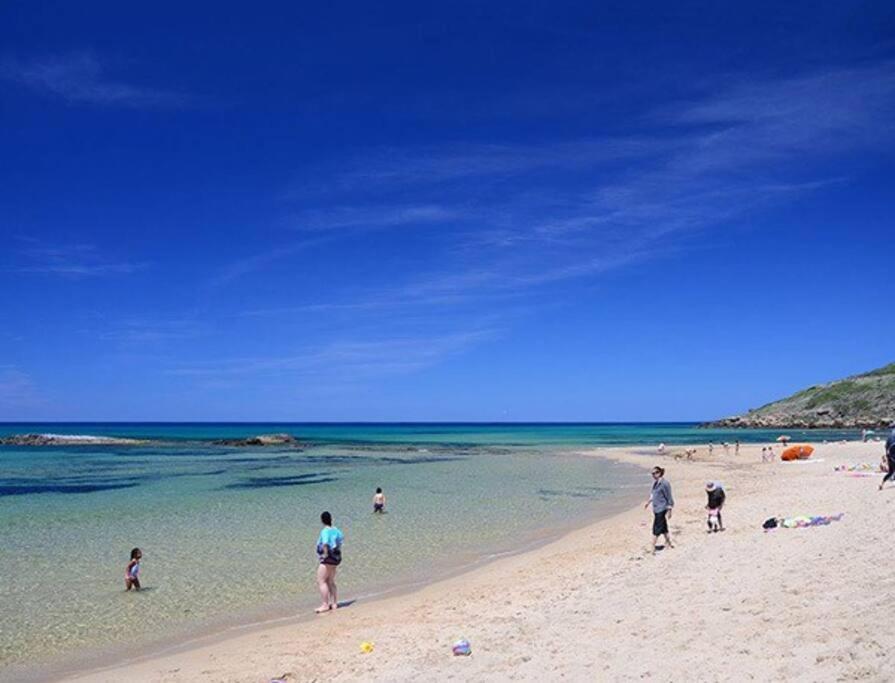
x=379, y=501
x=132, y=572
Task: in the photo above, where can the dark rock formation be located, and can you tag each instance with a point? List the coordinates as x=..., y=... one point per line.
x=66, y=440
x=260, y=440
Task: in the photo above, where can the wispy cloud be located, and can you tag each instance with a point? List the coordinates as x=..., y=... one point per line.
x=346, y=359
x=263, y=259
x=388, y=167
x=132, y=331
x=80, y=78
x=706, y=163
x=72, y=260
x=371, y=217
x=520, y=216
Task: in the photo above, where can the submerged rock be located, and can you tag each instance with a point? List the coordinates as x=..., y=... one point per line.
x=67, y=440
x=260, y=440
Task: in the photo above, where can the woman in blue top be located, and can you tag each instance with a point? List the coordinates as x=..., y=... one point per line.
x=329, y=552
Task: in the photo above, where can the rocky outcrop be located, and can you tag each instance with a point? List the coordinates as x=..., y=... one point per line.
x=66, y=440
x=260, y=440
x=858, y=402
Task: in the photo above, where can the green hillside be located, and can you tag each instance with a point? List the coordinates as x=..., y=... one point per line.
x=866, y=400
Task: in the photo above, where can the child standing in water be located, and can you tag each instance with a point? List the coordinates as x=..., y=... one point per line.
x=379, y=501
x=329, y=553
x=132, y=572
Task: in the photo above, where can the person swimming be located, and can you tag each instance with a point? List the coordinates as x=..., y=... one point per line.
x=132, y=571
x=379, y=501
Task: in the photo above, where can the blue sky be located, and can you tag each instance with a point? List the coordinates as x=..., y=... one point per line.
x=463, y=211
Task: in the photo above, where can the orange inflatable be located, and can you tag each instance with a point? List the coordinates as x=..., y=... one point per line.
x=797, y=453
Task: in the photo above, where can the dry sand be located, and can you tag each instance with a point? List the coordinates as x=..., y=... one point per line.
x=793, y=604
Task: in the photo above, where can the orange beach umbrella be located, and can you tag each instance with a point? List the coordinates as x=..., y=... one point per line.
x=797, y=453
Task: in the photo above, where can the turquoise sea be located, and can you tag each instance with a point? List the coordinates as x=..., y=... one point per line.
x=228, y=532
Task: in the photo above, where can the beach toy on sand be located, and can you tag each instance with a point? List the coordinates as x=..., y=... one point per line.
x=462, y=648
x=860, y=467
x=797, y=453
x=366, y=647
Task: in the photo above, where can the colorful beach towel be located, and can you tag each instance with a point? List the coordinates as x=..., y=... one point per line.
x=804, y=521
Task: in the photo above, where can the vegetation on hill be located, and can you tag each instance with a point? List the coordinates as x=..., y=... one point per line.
x=866, y=400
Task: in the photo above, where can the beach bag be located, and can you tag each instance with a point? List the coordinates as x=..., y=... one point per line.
x=770, y=523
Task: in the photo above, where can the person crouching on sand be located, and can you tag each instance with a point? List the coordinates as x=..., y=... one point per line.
x=329, y=552
x=663, y=503
x=132, y=571
x=716, y=497
x=379, y=501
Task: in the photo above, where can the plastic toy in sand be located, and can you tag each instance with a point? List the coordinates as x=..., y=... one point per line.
x=366, y=647
x=462, y=648
x=797, y=453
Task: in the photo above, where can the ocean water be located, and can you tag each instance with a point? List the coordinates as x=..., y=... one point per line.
x=228, y=533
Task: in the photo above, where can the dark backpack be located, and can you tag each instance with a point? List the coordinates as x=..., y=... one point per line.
x=770, y=523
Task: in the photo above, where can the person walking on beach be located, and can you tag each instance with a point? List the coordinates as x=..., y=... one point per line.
x=890, y=456
x=379, y=502
x=716, y=498
x=663, y=503
x=329, y=552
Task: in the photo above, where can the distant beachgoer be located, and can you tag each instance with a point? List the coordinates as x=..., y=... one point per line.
x=726, y=448
x=132, y=572
x=764, y=454
x=663, y=503
x=737, y=449
x=329, y=552
x=379, y=501
x=716, y=498
x=890, y=457
x=711, y=447
x=661, y=448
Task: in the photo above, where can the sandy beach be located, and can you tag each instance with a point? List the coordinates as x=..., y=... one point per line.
x=791, y=604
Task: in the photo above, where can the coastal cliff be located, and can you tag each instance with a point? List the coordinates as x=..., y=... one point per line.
x=861, y=401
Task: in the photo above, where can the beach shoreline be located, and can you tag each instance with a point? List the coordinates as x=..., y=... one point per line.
x=517, y=627
x=248, y=622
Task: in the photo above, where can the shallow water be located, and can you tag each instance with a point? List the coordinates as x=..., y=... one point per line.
x=230, y=531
